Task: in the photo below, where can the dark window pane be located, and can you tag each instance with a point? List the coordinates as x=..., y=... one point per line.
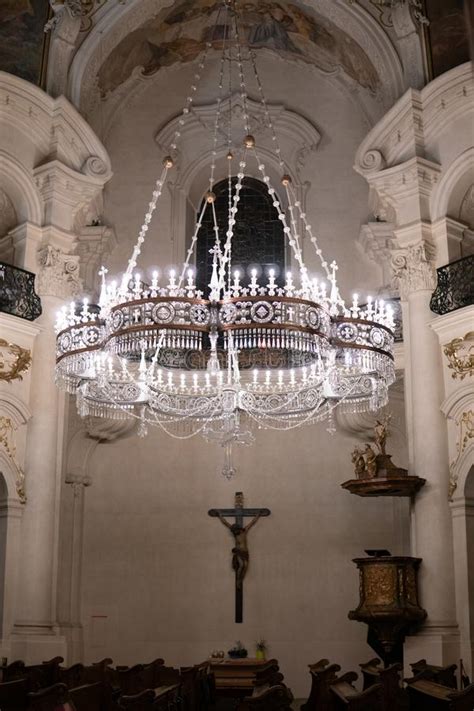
x=258, y=234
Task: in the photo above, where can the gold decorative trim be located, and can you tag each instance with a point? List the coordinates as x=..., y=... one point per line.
x=7, y=442
x=21, y=361
x=460, y=355
x=466, y=433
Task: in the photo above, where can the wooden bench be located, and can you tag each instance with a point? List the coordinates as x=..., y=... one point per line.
x=14, y=695
x=427, y=695
x=54, y=698
x=323, y=674
x=446, y=676
x=393, y=695
x=93, y=697
x=151, y=700
x=267, y=698
x=348, y=697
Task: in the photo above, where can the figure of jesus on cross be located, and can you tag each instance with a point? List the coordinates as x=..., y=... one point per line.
x=240, y=551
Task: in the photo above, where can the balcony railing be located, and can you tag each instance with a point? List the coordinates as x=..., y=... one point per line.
x=455, y=287
x=17, y=293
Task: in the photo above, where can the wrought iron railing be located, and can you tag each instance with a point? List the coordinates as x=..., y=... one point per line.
x=455, y=287
x=17, y=293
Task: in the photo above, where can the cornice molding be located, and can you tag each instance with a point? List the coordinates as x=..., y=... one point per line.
x=414, y=122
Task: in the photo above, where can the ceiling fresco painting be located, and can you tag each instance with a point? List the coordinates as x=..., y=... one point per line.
x=180, y=34
x=22, y=38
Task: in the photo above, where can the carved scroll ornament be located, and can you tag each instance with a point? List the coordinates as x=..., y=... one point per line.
x=7, y=443
x=460, y=355
x=14, y=360
x=466, y=433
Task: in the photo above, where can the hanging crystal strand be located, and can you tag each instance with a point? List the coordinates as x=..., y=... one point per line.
x=249, y=142
x=331, y=269
x=168, y=163
x=286, y=182
x=281, y=215
x=285, y=178
x=266, y=111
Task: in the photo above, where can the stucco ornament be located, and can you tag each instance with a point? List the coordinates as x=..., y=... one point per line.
x=413, y=270
x=460, y=355
x=7, y=443
x=58, y=274
x=465, y=426
x=74, y=8
x=14, y=360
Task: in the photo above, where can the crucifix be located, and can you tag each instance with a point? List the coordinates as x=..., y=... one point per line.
x=240, y=552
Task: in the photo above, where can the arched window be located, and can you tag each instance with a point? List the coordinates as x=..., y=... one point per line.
x=258, y=239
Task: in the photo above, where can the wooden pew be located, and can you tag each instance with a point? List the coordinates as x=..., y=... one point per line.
x=93, y=697
x=393, y=696
x=271, y=698
x=149, y=701
x=13, y=671
x=323, y=675
x=130, y=679
x=54, y=698
x=98, y=671
x=138, y=702
x=14, y=695
x=427, y=695
x=446, y=676
x=348, y=697
x=71, y=676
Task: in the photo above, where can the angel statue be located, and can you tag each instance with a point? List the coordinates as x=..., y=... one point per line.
x=381, y=433
x=359, y=462
x=370, y=462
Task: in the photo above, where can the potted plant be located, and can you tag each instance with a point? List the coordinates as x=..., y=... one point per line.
x=261, y=649
x=238, y=651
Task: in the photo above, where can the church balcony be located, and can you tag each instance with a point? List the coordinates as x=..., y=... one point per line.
x=455, y=288
x=17, y=293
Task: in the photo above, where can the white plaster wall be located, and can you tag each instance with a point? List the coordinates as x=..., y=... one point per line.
x=157, y=579
x=157, y=568
x=336, y=202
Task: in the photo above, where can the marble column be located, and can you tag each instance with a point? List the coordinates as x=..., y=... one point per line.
x=35, y=633
x=438, y=641
x=69, y=602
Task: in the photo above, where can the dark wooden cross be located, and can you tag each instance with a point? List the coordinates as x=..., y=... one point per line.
x=240, y=553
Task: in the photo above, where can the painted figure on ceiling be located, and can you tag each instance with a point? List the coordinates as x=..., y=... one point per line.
x=293, y=32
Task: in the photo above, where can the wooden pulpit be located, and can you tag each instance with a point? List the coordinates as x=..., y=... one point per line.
x=388, y=600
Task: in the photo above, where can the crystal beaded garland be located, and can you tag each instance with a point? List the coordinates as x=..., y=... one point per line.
x=190, y=362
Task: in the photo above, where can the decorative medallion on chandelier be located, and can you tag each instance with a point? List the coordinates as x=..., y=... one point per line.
x=276, y=352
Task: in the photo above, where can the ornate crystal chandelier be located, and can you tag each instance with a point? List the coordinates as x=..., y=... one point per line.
x=243, y=351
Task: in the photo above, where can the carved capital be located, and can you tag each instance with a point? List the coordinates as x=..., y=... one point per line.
x=78, y=481
x=58, y=274
x=413, y=269
x=94, y=241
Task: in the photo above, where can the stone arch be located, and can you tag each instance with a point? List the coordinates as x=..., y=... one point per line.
x=447, y=199
x=299, y=137
x=19, y=185
x=11, y=510
x=462, y=509
x=115, y=23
